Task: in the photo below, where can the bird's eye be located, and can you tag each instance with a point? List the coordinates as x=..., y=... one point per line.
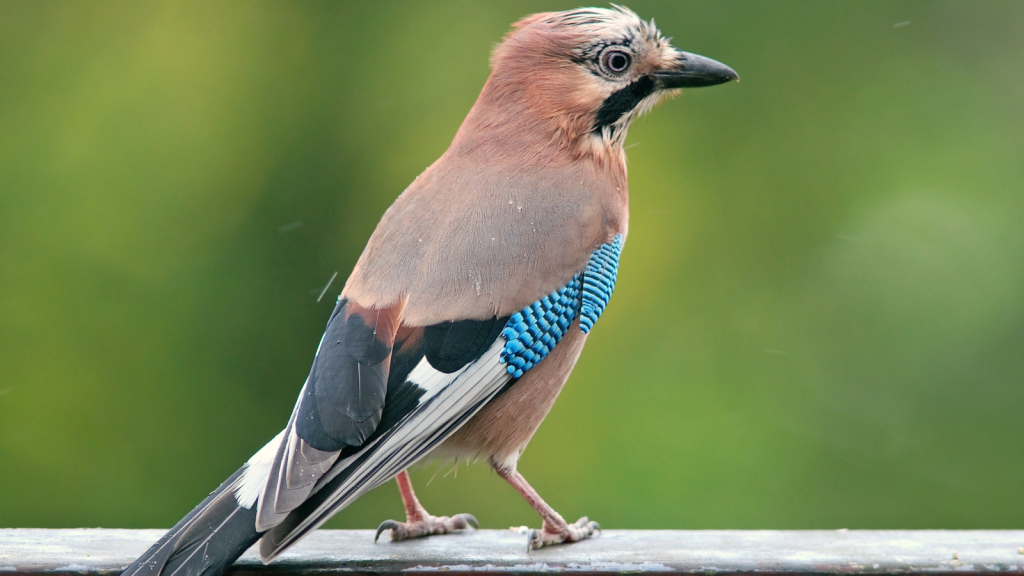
x=616, y=61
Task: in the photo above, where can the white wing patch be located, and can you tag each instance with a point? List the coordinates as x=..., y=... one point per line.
x=257, y=469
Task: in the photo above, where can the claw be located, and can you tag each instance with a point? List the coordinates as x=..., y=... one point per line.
x=468, y=519
x=534, y=536
x=426, y=526
x=385, y=525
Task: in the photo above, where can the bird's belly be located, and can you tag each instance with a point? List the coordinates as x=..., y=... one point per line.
x=502, y=429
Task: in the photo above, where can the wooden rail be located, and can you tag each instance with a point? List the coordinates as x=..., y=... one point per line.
x=706, y=552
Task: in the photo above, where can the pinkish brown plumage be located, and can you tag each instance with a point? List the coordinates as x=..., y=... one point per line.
x=470, y=305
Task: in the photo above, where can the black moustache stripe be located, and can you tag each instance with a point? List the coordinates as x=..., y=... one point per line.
x=622, y=101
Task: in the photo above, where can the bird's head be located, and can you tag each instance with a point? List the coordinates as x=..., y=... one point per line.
x=581, y=76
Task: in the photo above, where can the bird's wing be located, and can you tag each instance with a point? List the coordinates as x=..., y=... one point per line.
x=421, y=410
x=340, y=406
x=437, y=378
x=440, y=376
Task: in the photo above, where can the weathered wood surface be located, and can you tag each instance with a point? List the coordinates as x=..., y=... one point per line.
x=706, y=552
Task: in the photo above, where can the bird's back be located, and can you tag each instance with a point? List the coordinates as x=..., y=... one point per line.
x=480, y=235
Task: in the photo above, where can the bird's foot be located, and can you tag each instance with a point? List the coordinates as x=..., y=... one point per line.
x=426, y=525
x=548, y=536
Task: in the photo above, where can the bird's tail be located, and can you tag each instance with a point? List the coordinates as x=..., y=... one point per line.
x=205, y=542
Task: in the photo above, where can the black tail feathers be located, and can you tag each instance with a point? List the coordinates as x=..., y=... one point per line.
x=204, y=543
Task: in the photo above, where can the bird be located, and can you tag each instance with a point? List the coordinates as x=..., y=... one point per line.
x=468, y=309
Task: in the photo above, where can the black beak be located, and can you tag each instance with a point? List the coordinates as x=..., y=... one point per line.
x=693, y=71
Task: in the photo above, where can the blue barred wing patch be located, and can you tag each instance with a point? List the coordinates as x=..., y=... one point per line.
x=599, y=282
x=532, y=333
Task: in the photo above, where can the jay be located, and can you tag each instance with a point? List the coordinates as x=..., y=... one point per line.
x=471, y=303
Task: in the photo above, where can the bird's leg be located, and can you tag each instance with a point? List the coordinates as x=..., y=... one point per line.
x=418, y=522
x=555, y=529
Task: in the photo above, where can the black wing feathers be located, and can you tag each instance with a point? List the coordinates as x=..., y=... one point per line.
x=403, y=396
x=407, y=354
x=343, y=397
x=451, y=345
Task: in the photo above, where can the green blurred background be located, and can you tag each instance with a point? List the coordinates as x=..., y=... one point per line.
x=819, y=320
